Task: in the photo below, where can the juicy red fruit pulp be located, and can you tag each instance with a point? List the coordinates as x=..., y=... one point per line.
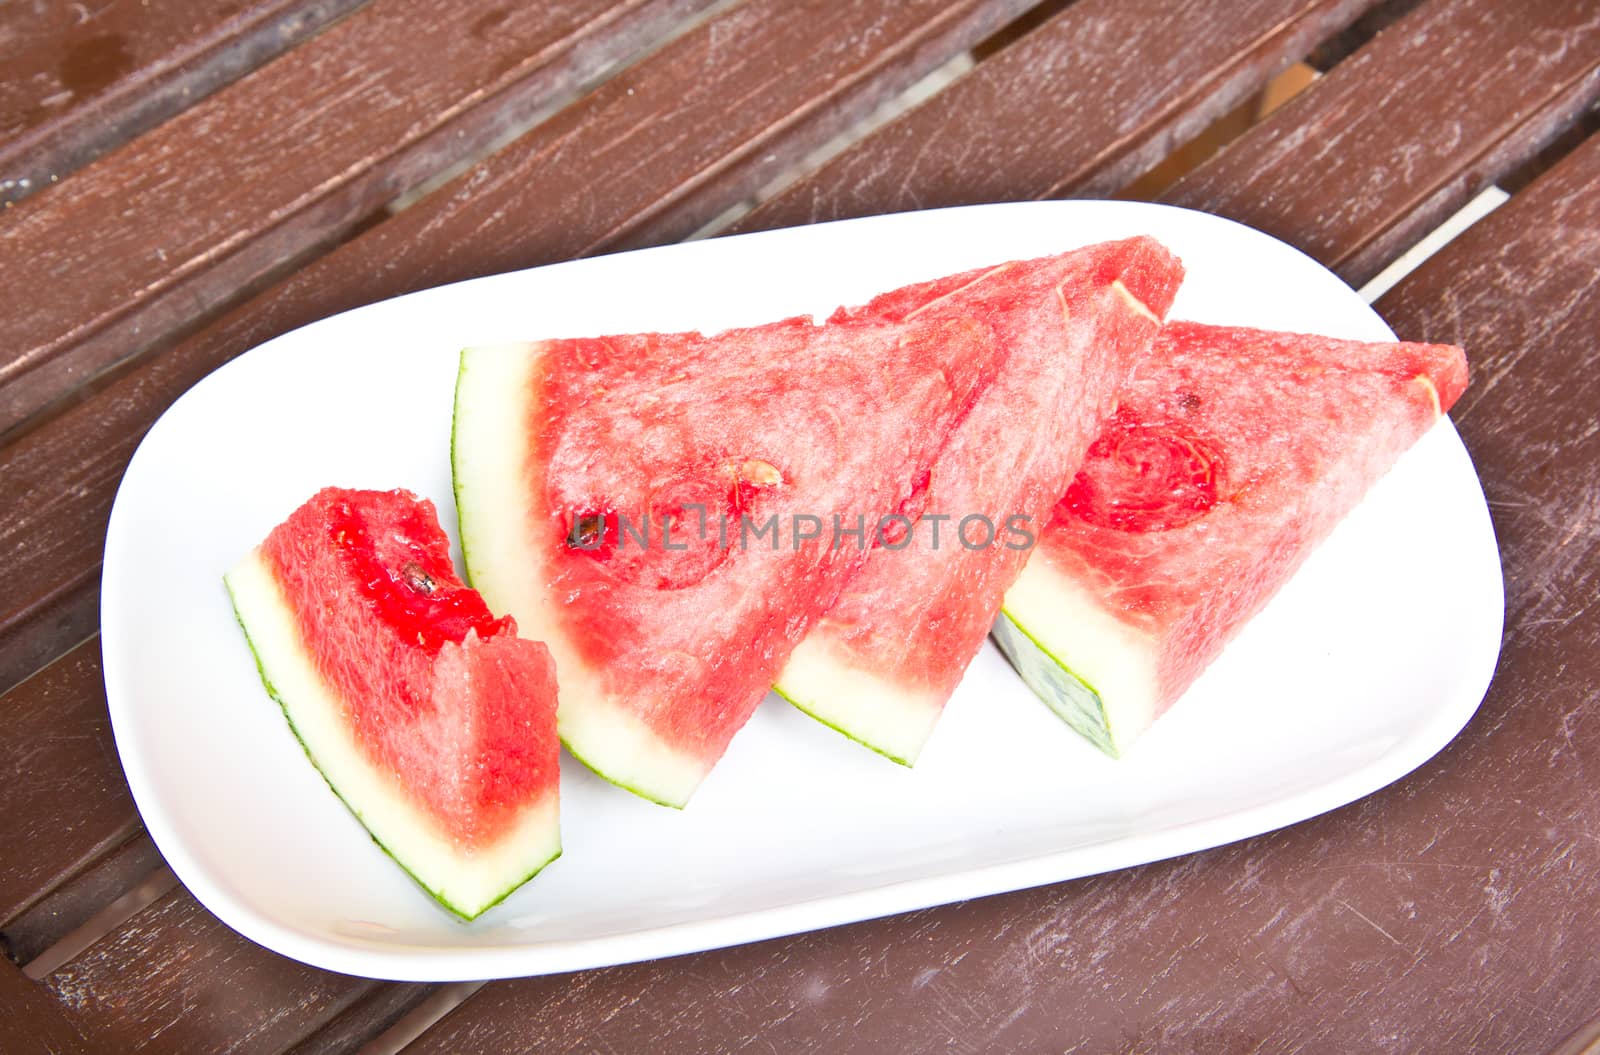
x=410, y=584
x=1142, y=476
x=689, y=522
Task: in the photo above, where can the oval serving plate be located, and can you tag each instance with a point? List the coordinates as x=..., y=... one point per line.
x=1365, y=665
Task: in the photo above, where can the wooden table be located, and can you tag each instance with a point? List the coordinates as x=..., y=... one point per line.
x=183, y=180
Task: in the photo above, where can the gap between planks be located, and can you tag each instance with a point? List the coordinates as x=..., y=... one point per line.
x=516, y=130
x=1485, y=202
x=144, y=894
x=420, y=1019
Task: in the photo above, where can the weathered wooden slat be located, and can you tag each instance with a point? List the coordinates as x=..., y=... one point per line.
x=84, y=78
x=60, y=622
x=365, y=1019
x=1079, y=106
x=75, y=901
x=180, y=220
x=652, y=154
x=669, y=144
x=1382, y=927
x=63, y=801
x=1405, y=131
x=174, y=979
x=31, y=1022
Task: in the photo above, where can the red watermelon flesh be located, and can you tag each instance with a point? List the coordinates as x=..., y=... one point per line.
x=430, y=717
x=665, y=645
x=1232, y=454
x=887, y=656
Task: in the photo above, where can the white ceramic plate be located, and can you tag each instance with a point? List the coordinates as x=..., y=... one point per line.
x=1367, y=663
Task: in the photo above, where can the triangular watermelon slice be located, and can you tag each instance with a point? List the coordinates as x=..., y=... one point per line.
x=882, y=662
x=1232, y=454
x=753, y=446
x=429, y=717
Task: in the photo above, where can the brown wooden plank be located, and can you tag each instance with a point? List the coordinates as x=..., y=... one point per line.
x=1455, y=911
x=174, y=979
x=284, y=160
x=75, y=901
x=1401, y=134
x=59, y=623
x=63, y=802
x=669, y=144
x=662, y=147
x=1079, y=106
x=1585, y=1040
x=83, y=78
x=32, y=1023
x=366, y=1018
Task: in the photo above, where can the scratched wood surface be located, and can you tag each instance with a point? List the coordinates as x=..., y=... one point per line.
x=78, y=897
x=267, y=1004
x=181, y=220
x=1438, y=107
x=64, y=796
x=34, y=1024
x=1452, y=912
x=1065, y=110
x=82, y=78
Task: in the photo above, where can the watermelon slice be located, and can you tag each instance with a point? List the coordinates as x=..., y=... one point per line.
x=1232, y=454
x=672, y=512
x=429, y=717
x=883, y=661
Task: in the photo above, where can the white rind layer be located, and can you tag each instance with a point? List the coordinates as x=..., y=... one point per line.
x=883, y=716
x=1066, y=627
x=466, y=881
x=489, y=454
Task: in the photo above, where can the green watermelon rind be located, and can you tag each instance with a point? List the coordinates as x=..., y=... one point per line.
x=1061, y=688
x=836, y=727
x=277, y=697
x=534, y=624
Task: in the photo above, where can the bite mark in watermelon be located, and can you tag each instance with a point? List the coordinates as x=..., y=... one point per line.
x=665, y=647
x=884, y=660
x=427, y=716
x=1233, y=453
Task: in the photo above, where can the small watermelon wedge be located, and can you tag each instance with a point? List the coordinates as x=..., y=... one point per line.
x=881, y=664
x=1231, y=455
x=429, y=717
x=670, y=513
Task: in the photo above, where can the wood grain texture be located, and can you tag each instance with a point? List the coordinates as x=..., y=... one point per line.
x=50, y=629
x=672, y=142
x=366, y=1018
x=1067, y=109
x=1454, y=911
x=658, y=149
x=175, y=980
x=74, y=902
x=83, y=78
x=1405, y=131
x=31, y=1023
x=162, y=231
x=63, y=800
